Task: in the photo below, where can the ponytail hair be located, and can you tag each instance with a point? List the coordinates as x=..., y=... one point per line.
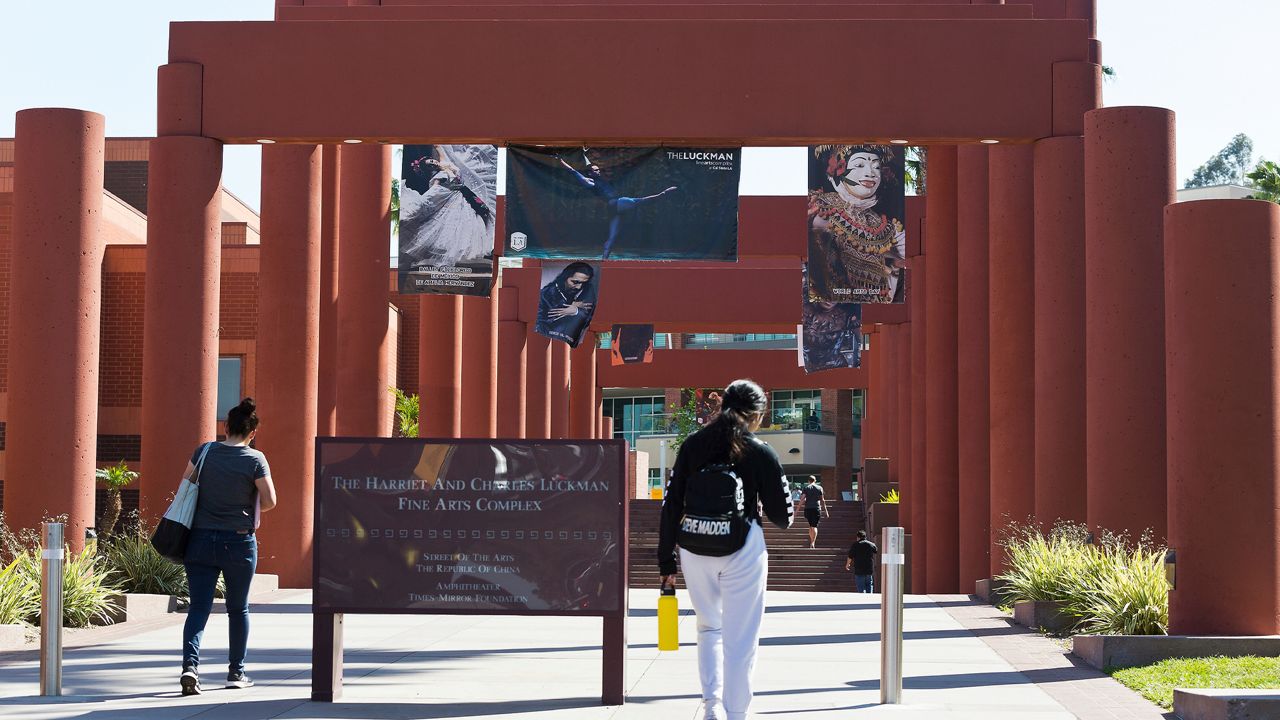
x=243, y=418
x=742, y=400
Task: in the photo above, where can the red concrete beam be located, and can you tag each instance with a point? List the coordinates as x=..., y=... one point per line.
x=774, y=369
x=264, y=79
x=671, y=9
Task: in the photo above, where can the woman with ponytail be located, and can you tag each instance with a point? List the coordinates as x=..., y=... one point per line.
x=235, y=485
x=731, y=585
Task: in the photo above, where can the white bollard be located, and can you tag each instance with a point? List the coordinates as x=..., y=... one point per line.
x=892, y=560
x=51, y=559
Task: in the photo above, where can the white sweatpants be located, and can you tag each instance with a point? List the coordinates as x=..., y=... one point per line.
x=728, y=598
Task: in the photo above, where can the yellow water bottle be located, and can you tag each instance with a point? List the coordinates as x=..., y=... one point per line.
x=668, y=619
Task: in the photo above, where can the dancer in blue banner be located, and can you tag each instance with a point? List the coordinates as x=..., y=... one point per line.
x=620, y=205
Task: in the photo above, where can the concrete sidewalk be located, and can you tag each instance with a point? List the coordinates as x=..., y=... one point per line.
x=819, y=659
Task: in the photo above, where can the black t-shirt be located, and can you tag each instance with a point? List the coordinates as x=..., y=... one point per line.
x=763, y=483
x=863, y=553
x=228, y=491
x=812, y=497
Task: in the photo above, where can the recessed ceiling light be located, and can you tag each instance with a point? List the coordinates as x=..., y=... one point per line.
x=353, y=141
x=989, y=141
x=900, y=142
x=266, y=141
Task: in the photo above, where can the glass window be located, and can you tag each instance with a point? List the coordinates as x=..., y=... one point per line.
x=228, y=384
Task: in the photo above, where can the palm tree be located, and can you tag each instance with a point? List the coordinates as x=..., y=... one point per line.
x=406, y=413
x=1266, y=181
x=114, y=479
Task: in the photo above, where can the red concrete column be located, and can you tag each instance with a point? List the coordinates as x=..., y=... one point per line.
x=606, y=428
x=1222, y=324
x=479, y=367
x=440, y=366
x=583, y=415
x=1012, y=348
x=288, y=351
x=942, y=454
x=873, y=420
x=1128, y=175
x=537, y=385
x=54, y=316
x=327, y=392
x=560, y=389
x=973, y=357
x=511, y=367
x=180, y=327
x=905, y=467
x=919, y=489
x=364, y=399
x=1059, y=330
x=889, y=376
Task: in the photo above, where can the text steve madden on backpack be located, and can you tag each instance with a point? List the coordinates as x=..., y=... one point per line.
x=715, y=517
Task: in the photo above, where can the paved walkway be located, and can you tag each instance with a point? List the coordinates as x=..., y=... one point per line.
x=819, y=659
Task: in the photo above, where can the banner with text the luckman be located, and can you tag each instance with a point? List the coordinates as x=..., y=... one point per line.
x=857, y=235
x=448, y=207
x=623, y=203
x=567, y=301
x=523, y=526
x=831, y=336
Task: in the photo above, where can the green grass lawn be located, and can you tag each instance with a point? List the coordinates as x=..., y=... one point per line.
x=1156, y=682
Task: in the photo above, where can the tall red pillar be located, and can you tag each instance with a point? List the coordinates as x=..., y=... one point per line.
x=889, y=376
x=330, y=214
x=288, y=352
x=560, y=366
x=55, y=310
x=365, y=403
x=440, y=366
x=1059, y=330
x=512, y=358
x=180, y=326
x=1128, y=176
x=479, y=367
x=583, y=415
x=537, y=385
x=1012, y=348
x=941, y=456
x=1222, y=323
x=906, y=468
x=973, y=357
x=919, y=489
x=873, y=418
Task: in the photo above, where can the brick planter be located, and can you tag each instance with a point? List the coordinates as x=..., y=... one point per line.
x=12, y=636
x=1121, y=651
x=883, y=515
x=138, y=606
x=1047, y=615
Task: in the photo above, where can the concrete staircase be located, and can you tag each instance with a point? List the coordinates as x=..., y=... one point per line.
x=792, y=565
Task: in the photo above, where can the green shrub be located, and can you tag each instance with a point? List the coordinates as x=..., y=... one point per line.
x=891, y=497
x=86, y=590
x=136, y=567
x=19, y=596
x=1041, y=567
x=1130, y=598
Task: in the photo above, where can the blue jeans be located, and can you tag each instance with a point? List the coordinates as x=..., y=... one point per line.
x=235, y=556
x=862, y=583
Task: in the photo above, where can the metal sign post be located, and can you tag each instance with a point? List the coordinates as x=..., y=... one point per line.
x=892, y=558
x=51, y=610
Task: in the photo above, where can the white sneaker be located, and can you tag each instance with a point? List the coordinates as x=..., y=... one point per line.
x=711, y=711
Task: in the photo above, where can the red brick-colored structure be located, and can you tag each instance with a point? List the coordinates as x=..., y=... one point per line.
x=306, y=304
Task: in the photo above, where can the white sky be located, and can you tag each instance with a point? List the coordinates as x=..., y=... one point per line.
x=1213, y=64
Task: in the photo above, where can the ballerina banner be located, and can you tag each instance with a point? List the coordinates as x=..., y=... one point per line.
x=857, y=237
x=623, y=203
x=448, y=204
x=567, y=301
x=831, y=336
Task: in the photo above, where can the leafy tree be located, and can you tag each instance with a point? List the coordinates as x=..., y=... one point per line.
x=684, y=419
x=406, y=413
x=114, y=479
x=917, y=169
x=1265, y=179
x=1227, y=166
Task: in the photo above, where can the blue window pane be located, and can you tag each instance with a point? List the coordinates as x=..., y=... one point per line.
x=228, y=385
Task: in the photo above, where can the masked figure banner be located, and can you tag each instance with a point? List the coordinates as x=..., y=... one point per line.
x=832, y=334
x=857, y=240
x=623, y=203
x=567, y=301
x=448, y=203
x=631, y=344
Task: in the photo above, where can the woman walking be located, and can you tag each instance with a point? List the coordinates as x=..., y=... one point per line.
x=726, y=586
x=235, y=484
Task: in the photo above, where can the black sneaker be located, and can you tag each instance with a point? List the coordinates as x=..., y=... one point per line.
x=190, y=682
x=239, y=680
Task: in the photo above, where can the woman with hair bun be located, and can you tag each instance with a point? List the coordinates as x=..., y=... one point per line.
x=235, y=484
x=727, y=588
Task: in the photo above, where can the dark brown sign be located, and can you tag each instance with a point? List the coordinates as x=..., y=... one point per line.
x=511, y=526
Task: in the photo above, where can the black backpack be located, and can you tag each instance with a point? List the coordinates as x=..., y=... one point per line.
x=715, y=516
